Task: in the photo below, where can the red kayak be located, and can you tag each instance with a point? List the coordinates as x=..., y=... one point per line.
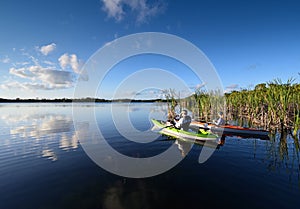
x=230, y=129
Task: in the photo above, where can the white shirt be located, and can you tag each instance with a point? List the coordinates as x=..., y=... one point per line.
x=185, y=120
x=220, y=122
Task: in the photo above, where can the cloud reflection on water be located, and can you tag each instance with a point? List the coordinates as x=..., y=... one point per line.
x=41, y=132
x=49, y=154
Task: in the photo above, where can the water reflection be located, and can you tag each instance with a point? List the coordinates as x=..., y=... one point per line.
x=278, y=152
x=42, y=130
x=269, y=169
x=38, y=126
x=184, y=147
x=283, y=153
x=49, y=154
x=123, y=195
x=68, y=142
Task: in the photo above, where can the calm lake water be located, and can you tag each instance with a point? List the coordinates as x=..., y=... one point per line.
x=43, y=164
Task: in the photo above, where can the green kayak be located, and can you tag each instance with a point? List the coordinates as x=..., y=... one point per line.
x=177, y=133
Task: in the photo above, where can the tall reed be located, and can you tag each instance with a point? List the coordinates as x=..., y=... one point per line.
x=271, y=105
x=208, y=104
x=171, y=98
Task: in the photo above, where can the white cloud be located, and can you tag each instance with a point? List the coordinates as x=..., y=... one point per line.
x=21, y=63
x=70, y=60
x=74, y=63
x=34, y=60
x=42, y=78
x=200, y=85
x=5, y=60
x=114, y=9
x=143, y=9
x=140, y=8
x=49, y=63
x=31, y=86
x=55, y=77
x=21, y=72
x=42, y=74
x=25, y=86
x=64, y=60
x=231, y=88
x=11, y=85
x=45, y=50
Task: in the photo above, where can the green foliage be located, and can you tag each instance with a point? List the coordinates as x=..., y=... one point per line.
x=272, y=105
x=208, y=104
x=170, y=96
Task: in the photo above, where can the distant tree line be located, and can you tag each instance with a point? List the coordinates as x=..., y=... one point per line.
x=69, y=100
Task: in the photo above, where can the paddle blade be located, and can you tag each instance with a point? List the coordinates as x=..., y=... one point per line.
x=156, y=128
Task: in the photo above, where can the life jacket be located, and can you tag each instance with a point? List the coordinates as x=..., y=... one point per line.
x=186, y=123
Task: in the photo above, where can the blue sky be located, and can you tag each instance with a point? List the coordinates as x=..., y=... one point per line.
x=44, y=44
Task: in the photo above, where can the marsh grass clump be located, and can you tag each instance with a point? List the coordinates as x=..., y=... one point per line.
x=171, y=98
x=273, y=106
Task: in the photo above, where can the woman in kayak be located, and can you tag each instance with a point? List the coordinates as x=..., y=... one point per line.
x=184, y=121
x=220, y=121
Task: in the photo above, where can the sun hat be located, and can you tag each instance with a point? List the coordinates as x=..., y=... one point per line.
x=184, y=112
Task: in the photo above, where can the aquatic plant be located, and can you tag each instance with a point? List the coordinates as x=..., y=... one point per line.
x=170, y=96
x=271, y=106
x=274, y=105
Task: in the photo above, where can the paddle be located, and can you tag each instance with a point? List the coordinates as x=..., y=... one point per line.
x=155, y=128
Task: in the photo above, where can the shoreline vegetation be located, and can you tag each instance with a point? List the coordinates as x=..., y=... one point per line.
x=272, y=106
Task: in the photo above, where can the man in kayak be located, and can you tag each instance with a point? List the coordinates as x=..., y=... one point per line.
x=184, y=121
x=220, y=121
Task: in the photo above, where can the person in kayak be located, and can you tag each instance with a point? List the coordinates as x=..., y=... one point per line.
x=172, y=118
x=184, y=121
x=220, y=121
